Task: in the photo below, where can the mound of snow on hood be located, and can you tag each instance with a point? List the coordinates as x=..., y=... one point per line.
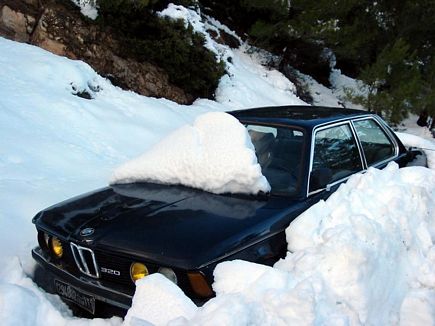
x=364, y=256
x=214, y=154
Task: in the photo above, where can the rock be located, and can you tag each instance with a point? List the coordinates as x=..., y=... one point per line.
x=30, y=24
x=43, y=39
x=13, y=24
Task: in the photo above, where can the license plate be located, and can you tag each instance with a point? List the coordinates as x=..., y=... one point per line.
x=70, y=293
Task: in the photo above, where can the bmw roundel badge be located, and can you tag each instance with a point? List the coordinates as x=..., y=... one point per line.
x=87, y=232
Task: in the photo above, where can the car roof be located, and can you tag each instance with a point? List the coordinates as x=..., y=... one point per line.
x=299, y=115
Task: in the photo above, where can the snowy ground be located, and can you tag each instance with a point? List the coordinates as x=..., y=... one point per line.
x=54, y=145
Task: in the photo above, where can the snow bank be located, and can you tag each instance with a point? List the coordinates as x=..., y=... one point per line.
x=23, y=303
x=427, y=145
x=369, y=244
x=356, y=258
x=364, y=256
x=214, y=154
x=158, y=301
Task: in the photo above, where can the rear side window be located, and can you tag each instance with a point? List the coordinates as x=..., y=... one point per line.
x=335, y=148
x=376, y=145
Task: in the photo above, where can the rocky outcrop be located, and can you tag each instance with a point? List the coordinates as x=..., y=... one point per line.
x=60, y=29
x=16, y=25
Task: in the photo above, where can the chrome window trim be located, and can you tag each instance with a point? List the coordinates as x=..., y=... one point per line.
x=82, y=262
x=389, y=136
x=359, y=145
x=387, y=131
x=321, y=127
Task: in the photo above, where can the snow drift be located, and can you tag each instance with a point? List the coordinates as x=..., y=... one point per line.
x=215, y=154
x=364, y=256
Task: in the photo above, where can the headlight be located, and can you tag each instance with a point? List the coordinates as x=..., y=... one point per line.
x=138, y=271
x=56, y=247
x=200, y=285
x=169, y=273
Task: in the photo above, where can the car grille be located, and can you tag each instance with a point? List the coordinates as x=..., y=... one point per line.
x=85, y=260
x=106, y=267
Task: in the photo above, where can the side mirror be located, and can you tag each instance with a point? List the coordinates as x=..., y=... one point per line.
x=416, y=157
x=320, y=178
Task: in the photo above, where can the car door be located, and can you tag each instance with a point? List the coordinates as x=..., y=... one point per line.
x=335, y=156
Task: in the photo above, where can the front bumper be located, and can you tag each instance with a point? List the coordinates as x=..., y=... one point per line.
x=84, y=284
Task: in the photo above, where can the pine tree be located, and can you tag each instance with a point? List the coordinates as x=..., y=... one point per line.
x=391, y=84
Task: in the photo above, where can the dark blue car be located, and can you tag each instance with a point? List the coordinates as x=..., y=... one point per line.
x=93, y=247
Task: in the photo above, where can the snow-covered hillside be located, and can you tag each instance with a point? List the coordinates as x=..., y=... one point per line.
x=54, y=145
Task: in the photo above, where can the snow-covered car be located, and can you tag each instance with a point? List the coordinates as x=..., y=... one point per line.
x=94, y=247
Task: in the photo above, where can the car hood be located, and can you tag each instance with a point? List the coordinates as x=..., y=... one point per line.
x=174, y=225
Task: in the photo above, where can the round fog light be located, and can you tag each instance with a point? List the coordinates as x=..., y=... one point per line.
x=169, y=273
x=138, y=271
x=56, y=247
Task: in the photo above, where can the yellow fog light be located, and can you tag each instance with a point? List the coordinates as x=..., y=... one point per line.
x=138, y=271
x=56, y=247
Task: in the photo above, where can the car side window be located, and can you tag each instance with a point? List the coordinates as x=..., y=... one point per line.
x=375, y=143
x=279, y=152
x=336, y=149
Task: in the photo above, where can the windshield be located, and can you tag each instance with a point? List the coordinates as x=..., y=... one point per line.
x=279, y=153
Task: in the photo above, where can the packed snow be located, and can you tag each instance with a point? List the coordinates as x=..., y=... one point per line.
x=215, y=154
x=54, y=145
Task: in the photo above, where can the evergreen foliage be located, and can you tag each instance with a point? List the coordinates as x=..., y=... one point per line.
x=169, y=44
x=387, y=44
x=392, y=82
